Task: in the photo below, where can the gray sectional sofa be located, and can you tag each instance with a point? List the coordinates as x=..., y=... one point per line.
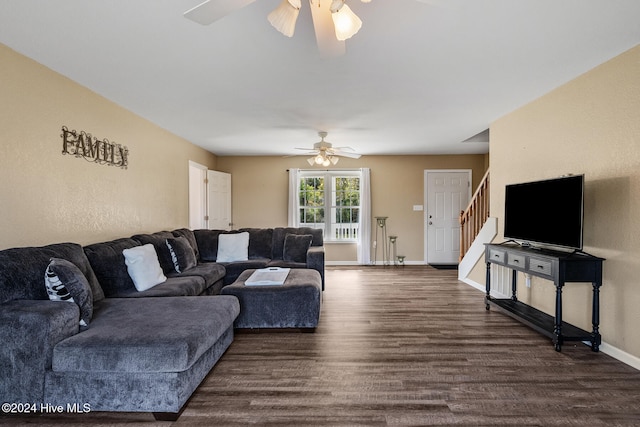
x=139, y=351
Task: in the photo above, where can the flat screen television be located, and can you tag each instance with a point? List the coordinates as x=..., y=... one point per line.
x=546, y=213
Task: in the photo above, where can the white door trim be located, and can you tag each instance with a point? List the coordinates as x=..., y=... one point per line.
x=426, y=201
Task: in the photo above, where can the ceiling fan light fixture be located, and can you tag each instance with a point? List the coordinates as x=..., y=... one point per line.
x=283, y=18
x=336, y=5
x=324, y=154
x=346, y=23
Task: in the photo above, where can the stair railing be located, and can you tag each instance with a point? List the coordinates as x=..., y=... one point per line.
x=474, y=216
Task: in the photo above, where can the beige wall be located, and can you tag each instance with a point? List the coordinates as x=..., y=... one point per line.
x=590, y=125
x=48, y=197
x=259, y=188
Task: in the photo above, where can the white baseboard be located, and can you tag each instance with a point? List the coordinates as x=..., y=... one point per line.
x=605, y=348
x=620, y=355
x=378, y=263
x=473, y=283
x=482, y=288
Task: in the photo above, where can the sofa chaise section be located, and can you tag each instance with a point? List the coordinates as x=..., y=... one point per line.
x=142, y=354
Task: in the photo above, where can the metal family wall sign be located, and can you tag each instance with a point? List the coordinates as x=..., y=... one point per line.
x=90, y=148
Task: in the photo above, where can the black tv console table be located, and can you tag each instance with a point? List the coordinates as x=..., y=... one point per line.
x=557, y=266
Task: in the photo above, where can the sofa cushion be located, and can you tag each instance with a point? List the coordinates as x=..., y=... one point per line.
x=182, y=254
x=260, y=242
x=280, y=233
x=65, y=282
x=147, y=334
x=159, y=242
x=188, y=234
x=143, y=266
x=23, y=270
x=107, y=261
x=208, y=243
x=211, y=272
x=172, y=287
x=233, y=247
x=296, y=247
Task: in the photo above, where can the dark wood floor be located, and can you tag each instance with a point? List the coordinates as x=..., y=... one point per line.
x=400, y=346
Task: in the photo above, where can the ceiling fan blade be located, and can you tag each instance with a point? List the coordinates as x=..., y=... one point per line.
x=328, y=44
x=346, y=154
x=210, y=11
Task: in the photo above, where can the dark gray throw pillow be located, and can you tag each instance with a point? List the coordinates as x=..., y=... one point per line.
x=65, y=282
x=182, y=254
x=296, y=247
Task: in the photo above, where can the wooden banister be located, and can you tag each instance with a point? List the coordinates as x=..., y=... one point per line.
x=475, y=215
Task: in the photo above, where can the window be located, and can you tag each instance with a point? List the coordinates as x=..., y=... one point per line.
x=331, y=201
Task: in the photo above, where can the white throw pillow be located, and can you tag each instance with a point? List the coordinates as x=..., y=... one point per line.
x=143, y=266
x=233, y=247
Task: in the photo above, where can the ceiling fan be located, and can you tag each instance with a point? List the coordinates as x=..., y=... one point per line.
x=325, y=154
x=333, y=20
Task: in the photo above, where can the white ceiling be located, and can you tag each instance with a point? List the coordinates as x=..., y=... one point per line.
x=420, y=77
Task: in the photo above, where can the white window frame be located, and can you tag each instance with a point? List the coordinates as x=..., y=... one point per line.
x=329, y=177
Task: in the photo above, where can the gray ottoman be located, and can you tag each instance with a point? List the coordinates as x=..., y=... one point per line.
x=294, y=304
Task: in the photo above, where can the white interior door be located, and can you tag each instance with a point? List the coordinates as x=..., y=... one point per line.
x=447, y=193
x=197, y=196
x=219, y=197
